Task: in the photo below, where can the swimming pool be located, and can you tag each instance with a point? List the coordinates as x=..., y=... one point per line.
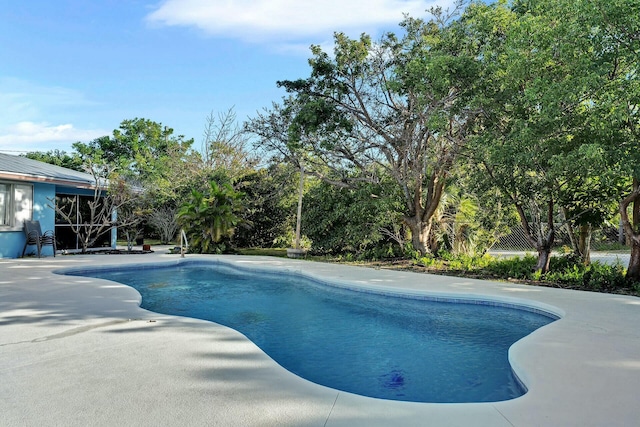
x=375, y=345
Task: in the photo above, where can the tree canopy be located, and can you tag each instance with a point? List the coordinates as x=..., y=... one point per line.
x=527, y=107
x=390, y=107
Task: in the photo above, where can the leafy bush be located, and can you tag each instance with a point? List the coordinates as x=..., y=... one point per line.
x=431, y=262
x=573, y=275
x=566, y=270
x=268, y=208
x=445, y=260
x=604, y=277
x=564, y=262
x=516, y=268
x=210, y=218
x=343, y=220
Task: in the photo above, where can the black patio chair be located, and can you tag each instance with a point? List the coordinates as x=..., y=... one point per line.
x=35, y=237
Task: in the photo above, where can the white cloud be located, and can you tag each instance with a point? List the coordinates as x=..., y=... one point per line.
x=287, y=20
x=37, y=117
x=22, y=100
x=30, y=136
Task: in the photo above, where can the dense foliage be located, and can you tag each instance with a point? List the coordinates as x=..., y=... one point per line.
x=210, y=217
x=59, y=158
x=538, y=100
x=268, y=213
x=431, y=142
x=340, y=220
x=380, y=110
x=567, y=271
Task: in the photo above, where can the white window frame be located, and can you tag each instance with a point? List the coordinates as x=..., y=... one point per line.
x=16, y=214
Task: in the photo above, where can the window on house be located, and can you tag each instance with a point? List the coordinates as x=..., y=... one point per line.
x=16, y=205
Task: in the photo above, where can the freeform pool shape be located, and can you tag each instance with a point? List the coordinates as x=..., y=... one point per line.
x=389, y=347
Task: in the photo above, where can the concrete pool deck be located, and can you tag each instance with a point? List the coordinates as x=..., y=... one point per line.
x=78, y=351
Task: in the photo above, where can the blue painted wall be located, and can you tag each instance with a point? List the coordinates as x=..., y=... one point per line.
x=12, y=242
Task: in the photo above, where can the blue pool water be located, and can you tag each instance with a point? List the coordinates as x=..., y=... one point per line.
x=365, y=343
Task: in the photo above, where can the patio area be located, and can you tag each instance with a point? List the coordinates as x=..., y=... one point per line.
x=79, y=351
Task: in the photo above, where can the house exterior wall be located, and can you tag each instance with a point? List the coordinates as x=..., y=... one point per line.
x=12, y=242
x=25, y=180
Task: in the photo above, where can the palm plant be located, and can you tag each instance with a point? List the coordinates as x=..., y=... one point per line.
x=210, y=217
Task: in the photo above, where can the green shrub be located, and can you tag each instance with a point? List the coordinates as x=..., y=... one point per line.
x=445, y=255
x=604, y=277
x=565, y=262
x=209, y=218
x=431, y=262
x=572, y=275
x=410, y=252
x=341, y=220
x=516, y=268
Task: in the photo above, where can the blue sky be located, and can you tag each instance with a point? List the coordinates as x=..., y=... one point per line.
x=72, y=70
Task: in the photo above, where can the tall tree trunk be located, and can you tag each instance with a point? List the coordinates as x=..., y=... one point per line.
x=584, y=245
x=544, y=258
x=544, y=246
x=420, y=221
x=420, y=234
x=633, y=269
x=631, y=229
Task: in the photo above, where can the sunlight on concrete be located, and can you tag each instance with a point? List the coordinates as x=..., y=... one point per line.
x=28, y=312
x=525, y=290
x=261, y=262
x=584, y=368
x=625, y=364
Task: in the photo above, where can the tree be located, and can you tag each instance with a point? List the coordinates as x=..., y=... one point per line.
x=225, y=146
x=59, y=158
x=211, y=217
x=591, y=191
x=147, y=152
x=268, y=206
x=615, y=115
x=139, y=147
x=163, y=219
x=538, y=76
x=600, y=51
x=131, y=215
x=150, y=154
x=389, y=107
x=339, y=220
